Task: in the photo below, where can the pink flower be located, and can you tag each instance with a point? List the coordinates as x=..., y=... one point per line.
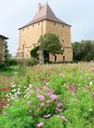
x=59, y=104
x=41, y=97
x=42, y=104
x=30, y=111
x=40, y=124
x=53, y=97
x=37, y=89
x=48, y=101
x=3, y=104
x=58, y=110
x=75, y=100
x=47, y=116
x=62, y=117
x=72, y=88
x=28, y=102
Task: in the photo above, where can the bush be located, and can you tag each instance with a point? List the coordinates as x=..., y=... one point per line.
x=12, y=62
x=28, y=62
x=31, y=62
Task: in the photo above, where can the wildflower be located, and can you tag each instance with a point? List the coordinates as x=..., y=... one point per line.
x=42, y=104
x=62, y=117
x=40, y=124
x=3, y=104
x=30, y=111
x=18, y=93
x=37, y=89
x=75, y=100
x=53, y=97
x=4, y=113
x=81, y=77
x=13, y=85
x=28, y=102
x=41, y=97
x=72, y=88
x=13, y=90
x=48, y=101
x=59, y=104
x=90, y=109
x=90, y=83
x=30, y=85
x=58, y=110
x=47, y=116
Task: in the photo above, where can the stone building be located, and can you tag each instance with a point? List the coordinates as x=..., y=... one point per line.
x=2, y=47
x=43, y=22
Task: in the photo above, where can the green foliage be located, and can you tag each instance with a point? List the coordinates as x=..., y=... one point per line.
x=12, y=62
x=31, y=62
x=83, y=51
x=50, y=42
x=57, y=96
x=34, y=51
x=28, y=62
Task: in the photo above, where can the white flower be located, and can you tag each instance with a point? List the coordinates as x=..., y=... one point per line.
x=90, y=83
x=30, y=85
x=18, y=89
x=13, y=90
x=18, y=93
x=14, y=85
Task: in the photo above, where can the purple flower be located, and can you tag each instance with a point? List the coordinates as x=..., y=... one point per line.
x=62, y=117
x=53, y=97
x=58, y=110
x=40, y=124
x=47, y=116
x=41, y=97
x=59, y=104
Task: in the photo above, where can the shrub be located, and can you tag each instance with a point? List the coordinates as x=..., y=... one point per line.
x=12, y=62
x=31, y=62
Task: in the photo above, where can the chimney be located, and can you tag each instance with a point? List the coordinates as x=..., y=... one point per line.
x=39, y=6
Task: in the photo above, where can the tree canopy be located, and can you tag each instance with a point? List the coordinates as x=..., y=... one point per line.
x=83, y=51
x=50, y=43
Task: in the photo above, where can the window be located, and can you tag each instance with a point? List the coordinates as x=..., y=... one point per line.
x=63, y=25
x=55, y=58
x=54, y=23
x=63, y=58
x=62, y=41
x=33, y=26
x=38, y=23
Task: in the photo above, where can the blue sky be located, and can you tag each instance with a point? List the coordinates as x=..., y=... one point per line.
x=16, y=13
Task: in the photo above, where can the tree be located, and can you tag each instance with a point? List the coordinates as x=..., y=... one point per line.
x=50, y=43
x=34, y=51
x=83, y=51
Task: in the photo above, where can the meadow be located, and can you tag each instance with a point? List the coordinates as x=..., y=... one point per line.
x=47, y=96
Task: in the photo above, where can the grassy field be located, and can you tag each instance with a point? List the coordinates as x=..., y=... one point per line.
x=47, y=96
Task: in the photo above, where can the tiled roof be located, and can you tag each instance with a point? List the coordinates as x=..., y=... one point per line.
x=45, y=13
x=4, y=37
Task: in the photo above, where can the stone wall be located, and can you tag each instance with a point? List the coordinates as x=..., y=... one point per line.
x=64, y=34
x=28, y=39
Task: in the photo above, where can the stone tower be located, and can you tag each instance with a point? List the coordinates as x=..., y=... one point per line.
x=43, y=22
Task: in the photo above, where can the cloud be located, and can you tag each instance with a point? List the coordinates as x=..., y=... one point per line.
x=15, y=14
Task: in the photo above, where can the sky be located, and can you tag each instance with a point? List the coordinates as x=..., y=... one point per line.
x=16, y=13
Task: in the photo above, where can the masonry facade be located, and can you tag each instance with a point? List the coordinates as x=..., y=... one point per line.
x=43, y=22
x=2, y=47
